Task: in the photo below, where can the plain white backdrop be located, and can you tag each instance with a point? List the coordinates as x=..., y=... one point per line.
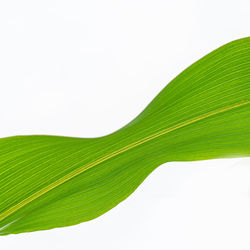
x=86, y=68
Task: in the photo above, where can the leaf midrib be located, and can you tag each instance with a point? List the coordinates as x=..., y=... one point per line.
x=80, y=170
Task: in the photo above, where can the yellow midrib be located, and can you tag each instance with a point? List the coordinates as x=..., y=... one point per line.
x=117, y=152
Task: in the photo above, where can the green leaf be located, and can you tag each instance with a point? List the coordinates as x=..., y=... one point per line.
x=204, y=113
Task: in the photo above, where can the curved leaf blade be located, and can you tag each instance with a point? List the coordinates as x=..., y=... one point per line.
x=52, y=181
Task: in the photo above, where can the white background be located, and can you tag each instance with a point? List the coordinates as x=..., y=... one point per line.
x=85, y=68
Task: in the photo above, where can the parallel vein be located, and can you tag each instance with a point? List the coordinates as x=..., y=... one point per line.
x=115, y=153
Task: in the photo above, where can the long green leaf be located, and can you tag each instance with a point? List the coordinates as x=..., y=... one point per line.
x=52, y=181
